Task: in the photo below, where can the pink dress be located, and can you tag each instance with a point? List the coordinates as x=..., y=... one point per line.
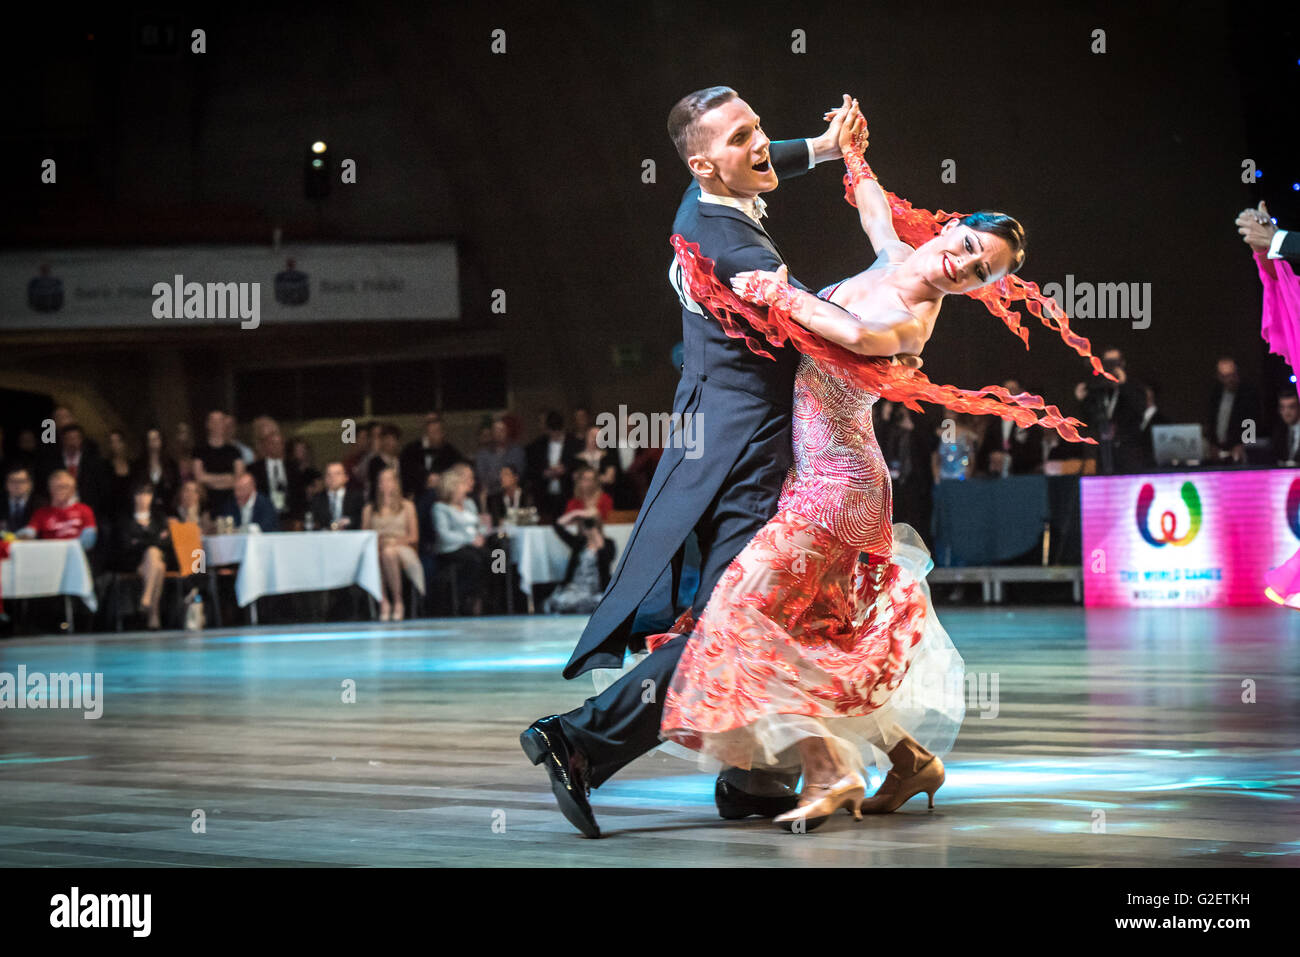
x=800, y=636
x=1280, y=327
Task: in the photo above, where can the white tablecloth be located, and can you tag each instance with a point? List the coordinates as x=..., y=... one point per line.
x=36, y=569
x=542, y=556
x=277, y=563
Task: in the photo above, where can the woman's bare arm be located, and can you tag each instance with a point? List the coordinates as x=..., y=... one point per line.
x=873, y=208
x=900, y=332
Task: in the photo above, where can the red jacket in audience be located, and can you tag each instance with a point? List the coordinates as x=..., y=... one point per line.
x=66, y=522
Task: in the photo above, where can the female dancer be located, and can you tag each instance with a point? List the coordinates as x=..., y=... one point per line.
x=803, y=646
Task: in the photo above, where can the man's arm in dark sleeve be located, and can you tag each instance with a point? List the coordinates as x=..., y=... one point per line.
x=790, y=158
x=1289, y=248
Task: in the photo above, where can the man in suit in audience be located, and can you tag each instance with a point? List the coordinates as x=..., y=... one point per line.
x=427, y=457
x=77, y=456
x=1232, y=404
x=249, y=508
x=19, y=500
x=338, y=506
x=1007, y=449
x=1286, y=434
x=548, y=469
x=279, y=478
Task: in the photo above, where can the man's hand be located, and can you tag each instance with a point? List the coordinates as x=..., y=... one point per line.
x=1256, y=228
x=827, y=146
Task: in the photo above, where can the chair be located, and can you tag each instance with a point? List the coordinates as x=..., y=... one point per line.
x=623, y=516
x=186, y=540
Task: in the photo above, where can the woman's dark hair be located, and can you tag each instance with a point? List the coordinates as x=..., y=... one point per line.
x=1002, y=226
x=139, y=488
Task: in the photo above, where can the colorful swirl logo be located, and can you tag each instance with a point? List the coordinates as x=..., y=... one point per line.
x=1293, y=507
x=1169, y=521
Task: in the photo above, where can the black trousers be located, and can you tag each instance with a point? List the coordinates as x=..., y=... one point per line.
x=620, y=724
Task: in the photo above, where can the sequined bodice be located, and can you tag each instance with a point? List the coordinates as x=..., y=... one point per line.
x=839, y=478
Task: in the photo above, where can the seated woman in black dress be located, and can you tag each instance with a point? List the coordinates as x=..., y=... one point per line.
x=142, y=544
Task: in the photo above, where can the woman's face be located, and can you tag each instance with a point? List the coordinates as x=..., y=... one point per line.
x=116, y=444
x=189, y=495
x=387, y=484
x=961, y=259
x=143, y=500
x=153, y=439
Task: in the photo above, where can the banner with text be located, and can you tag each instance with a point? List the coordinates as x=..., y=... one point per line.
x=1187, y=539
x=216, y=285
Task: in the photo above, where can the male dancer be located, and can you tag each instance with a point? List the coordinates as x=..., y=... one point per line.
x=741, y=407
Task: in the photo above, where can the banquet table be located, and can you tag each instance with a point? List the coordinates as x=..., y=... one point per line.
x=541, y=556
x=39, y=569
x=278, y=563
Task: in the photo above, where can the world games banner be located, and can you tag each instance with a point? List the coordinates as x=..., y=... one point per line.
x=1186, y=539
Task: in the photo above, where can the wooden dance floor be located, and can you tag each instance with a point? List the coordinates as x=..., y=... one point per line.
x=1119, y=738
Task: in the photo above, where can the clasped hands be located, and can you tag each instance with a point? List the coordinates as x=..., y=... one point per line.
x=1256, y=227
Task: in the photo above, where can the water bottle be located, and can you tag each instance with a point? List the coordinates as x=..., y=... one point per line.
x=194, y=619
x=309, y=522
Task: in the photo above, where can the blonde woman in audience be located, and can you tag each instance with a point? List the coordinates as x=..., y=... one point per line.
x=461, y=541
x=393, y=517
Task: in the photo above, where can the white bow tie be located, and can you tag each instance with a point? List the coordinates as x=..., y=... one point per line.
x=760, y=208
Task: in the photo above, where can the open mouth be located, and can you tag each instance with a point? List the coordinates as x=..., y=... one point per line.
x=764, y=166
x=948, y=270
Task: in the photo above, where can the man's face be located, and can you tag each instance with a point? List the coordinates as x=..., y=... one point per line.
x=499, y=432
x=272, y=442
x=62, y=418
x=72, y=442
x=244, y=488
x=509, y=479
x=335, y=476
x=433, y=430
x=1289, y=410
x=216, y=425
x=732, y=154
x=62, y=488
x=19, y=485
x=1227, y=373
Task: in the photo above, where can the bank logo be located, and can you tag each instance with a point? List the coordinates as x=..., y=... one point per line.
x=1168, y=520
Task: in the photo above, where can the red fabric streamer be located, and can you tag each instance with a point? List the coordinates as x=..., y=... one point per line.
x=876, y=374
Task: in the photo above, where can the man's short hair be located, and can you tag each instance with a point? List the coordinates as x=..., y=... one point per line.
x=684, y=118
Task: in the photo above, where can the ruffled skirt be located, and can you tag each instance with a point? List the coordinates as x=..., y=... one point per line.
x=802, y=639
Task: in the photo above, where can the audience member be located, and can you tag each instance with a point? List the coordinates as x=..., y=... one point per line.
x=217, y=464
x=158, y=468
x=387, y=456
x=278, y=477
x=141, y=544
x=393, y=517
x=498, y=452
x=338, y=506
x=510, y=496
x=1286, y=434
x=549, y=462
x=423, y=461
x=589, y=499
x=66, y=516
x=953, y=459
x=1232, y=403
x=604, y=461
x=1113, y=411
x=192, y=506
x=19, y=502
x=1007, y=449
x=249, y=509
x=183, y=449
x=461, y=542
x=121, y=480
x=587, y=573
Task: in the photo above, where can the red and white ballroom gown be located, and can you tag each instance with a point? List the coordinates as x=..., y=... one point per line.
x=800, y=637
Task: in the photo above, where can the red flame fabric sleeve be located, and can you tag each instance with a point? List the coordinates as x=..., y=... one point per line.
x=881, y=376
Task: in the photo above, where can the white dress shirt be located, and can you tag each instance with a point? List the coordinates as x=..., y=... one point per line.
x=1275, y=247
